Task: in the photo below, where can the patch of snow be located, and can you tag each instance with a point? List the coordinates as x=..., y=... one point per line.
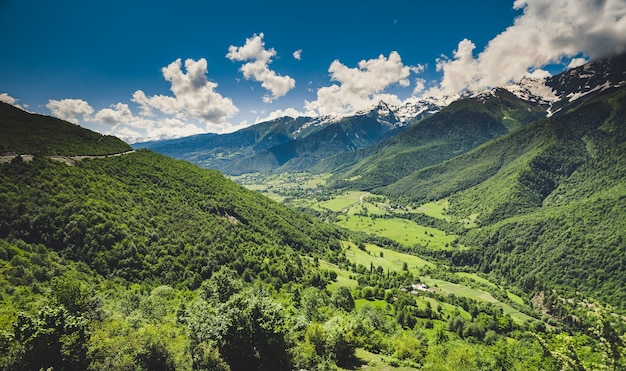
x=533, y=90
x=574, y=96
x=318, y=121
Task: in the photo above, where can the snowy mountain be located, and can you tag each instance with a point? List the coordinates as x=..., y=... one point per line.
x=559, y=91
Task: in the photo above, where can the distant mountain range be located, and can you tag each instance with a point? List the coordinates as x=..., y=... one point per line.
x=288, y=144
x=334, y=143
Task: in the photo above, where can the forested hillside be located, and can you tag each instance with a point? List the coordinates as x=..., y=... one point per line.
x=458, y=128
x=143, y=216
x=27, y=133
x=143, y=262
x=550, y=198
x=78, y=242
x=494, y=241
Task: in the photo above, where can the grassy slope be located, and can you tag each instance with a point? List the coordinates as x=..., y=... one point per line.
x=511, y=174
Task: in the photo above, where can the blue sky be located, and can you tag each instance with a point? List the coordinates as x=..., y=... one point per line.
x=156, y=69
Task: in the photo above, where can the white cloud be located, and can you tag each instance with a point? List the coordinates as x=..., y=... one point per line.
x=120, y=113
x=6, y=98
x=127, y=134
x=298, y=54
x=124, y=124
x=194, y=96
x=362, y=86
x=171, y=128
x=420, y=85
x=70, y=109
x=291, y=112
x=576, y=62
x=539, y=74
x=137, y=129
x=547, y=32
x=194, y=108
x=258, y=69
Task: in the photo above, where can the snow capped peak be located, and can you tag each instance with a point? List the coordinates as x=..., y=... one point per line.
x=414, y=108
x=396, y=116
x=552, y=93
x=380, y=109
x=533, y=90
x=317, y=121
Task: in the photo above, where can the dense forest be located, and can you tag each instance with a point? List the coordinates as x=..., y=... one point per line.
x=549, y=199
x=144, y=262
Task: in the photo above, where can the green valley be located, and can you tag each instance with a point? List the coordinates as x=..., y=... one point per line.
x=481, y=236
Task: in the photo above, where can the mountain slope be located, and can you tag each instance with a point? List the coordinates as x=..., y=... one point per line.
x=219, y=151
x=347, y=135
x=143, y=216
x=549, y=199
x=517, y=171
x=458, y=128
x=291, y=144
x=562, y=92
x=27, y=133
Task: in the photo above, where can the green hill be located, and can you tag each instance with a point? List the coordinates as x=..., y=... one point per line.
x=143, y=216
x=98, y=260
x=28, y=133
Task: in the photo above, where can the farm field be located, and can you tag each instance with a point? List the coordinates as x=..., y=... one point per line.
x=388, y=259
x=369, y=213
x=406, y=232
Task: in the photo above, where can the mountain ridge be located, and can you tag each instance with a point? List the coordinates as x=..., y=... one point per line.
x=277, y=141
x=281, y=144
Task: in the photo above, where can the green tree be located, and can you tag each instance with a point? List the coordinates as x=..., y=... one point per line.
x=314, y=303
x=206, y=357
x=410, y=345
x=222, y=285
x=342, y=339
x=153, y=355
x=54, y=338
x=441, y=336
x=248, y=330
x=342, y=299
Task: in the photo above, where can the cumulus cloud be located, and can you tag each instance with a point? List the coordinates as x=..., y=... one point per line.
x=258, y=67
x=131, y=128
x=120, y=113
x=420, y=85
x=194, y=95
x=291, y=112
x=362, y=86
x=547, y=32
x=298, y=54
x=576, y=62
x=70, y=109
x=195, y=107
x=6, y=98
